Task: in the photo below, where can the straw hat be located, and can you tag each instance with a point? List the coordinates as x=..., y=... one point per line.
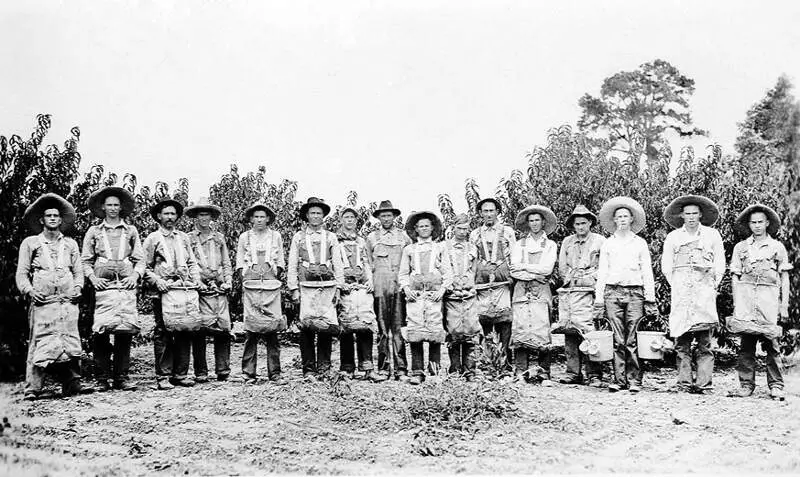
x=489, y=199
x=314, y=202
x=743, y=220
x=35, y=211
x=581, y=211
x=709, y=210
x=97, y=199
x=203, y=205
x=411, y=224
x=248, y=212
x=386, y=206
x=606, y=214
x=549, y=217
x=156, y=209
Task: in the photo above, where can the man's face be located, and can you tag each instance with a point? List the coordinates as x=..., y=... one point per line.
x=167, y=217
x=112, y=207
x=758, y=223
x=424, y=228
x=691, y=215
x=315, y=216
x=535, y=223
x=489, y=213
x=203, y=219
x=581, y=226
x=51, y=219
x=461, y=231
x=259, y=220
x=622, y=218
x=387, y=219
x=349, y=221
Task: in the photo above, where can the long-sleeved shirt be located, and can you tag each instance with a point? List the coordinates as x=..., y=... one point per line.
x=355, y=256
x=167, y=253
x=324, y=251
x=578, y=260
x=704, y=250
x=425, y=257
x=61, y=252
x=266, y=246
x=484, y=238
x=112, y=242
x=526, y=269
x=385, y=249
x=625, y=261
x=760, y=263
x=211, y=252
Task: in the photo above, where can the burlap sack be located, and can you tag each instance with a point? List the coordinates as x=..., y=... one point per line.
x=317, y=309
x=181, y=309
x=493, y=302
x=424, y=320
x=214, y=313
x=461, y=315
x=55, y=335
x=356, y=311
x=575, y=311
x=115, y=312
x=262, y=306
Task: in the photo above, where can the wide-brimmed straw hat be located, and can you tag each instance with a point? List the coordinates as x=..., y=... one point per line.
x=314, y=202
x=248, y=212
x=386, y=206
x=743, y=220
x=548, y=216
x=203, y=205
x=606, y=214
x=580, y=211
x=98, y=198
x=156, y=209
x=708, y=209
x=411, y=224
x=35, y=211
x=489, y=199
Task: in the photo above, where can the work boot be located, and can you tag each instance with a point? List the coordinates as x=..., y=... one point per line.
x=571, y=380
x=777, y=394
x=222, y=377
x=250, y=380
x=595, y=382
x=184, y=382
x=402, y=377
x=742, y=392
x=164, y=384
x=635, y=388
x=311, y=377
x=76, y=387
x=415, y=380
x=614, y=387
x=201, y=379
x=124, y=385
x=278, y=380
x=31, y=395
x=102, y=386
x=375, y=377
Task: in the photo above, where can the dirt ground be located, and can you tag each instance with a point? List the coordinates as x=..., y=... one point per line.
x=358, y=427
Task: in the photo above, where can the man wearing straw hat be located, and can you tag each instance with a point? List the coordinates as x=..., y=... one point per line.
x=693, y=262
x=49, y=273
x=212, y=256
x=169, y=259
x=385, y=247
x=494, y=240
x=260, y=255
x=533, y=258
x=113, y=256
x=577, y=265
x=357, y=276
x=760, y=278
x=425, y=275
x=625, y=287
x=314, y=255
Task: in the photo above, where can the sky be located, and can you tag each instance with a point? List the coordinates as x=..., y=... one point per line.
x=395, y=100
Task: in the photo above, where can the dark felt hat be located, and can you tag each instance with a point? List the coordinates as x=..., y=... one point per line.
x=248, y=213
x=203, y=205
x=489, y=199
x=581, y=211
x=156, y=209
x=415, y=217
x=314, y=202
x=386, y=206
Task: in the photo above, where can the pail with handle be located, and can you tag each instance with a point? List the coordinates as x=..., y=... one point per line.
x=598, y=345
x=651, y=344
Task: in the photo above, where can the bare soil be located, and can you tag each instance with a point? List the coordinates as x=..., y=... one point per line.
x=357, y=427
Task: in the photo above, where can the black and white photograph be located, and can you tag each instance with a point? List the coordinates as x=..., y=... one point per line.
x=364, y=237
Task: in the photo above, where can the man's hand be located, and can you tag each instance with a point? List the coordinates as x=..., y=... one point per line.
x=37, y=297
x=783, y=315
x=201, y=286
x=226, y=287
x=336, y=296
x=370, y=287
x=439, y=294
x=296, y=296
x=411, y=295
x=129, y=283
x=98, y=283
x=74, y=294
x=162, y=285
x=650, y=308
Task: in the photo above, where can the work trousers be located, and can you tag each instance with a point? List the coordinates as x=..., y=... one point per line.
x=576, y=359
x=172, y=349
x=624, y=309
x=746, y=366
x=67, y=372
x=702, y=356
x=418, y=358
x=362, y=342
x=316, y=357
x=525, y=359
x=503, y=330
x=462, y=358
x=222, y=353
x=121, y=351
x=389, y=311
x=250, y=355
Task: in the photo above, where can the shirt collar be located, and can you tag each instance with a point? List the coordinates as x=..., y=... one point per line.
x=582, y=240
x=345, y=235
x=58, y=237
x=167, y=233
x=311, y=231
x=424, y=241
x=697, y=234
x=106, y=225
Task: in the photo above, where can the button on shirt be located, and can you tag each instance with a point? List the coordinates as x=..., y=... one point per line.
x=211, y=252
x=625, y=261
x=385, y=248
x=161, y=263
x=94, y=246
x=31, y=262
x=579, y=258
x=760, y=263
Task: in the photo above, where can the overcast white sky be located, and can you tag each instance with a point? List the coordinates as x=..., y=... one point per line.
x=399, y=100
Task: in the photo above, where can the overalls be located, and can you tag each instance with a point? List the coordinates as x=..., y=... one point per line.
x=493, y=267
x=389, y=305
x=424, y=316
x=461, y=317
x=354, y=258
x=315, y=266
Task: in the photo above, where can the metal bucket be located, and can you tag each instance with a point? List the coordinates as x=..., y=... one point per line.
x=651, y=344
x=598, y=345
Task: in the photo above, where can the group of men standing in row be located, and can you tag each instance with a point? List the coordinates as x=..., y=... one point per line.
x=456, y=291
